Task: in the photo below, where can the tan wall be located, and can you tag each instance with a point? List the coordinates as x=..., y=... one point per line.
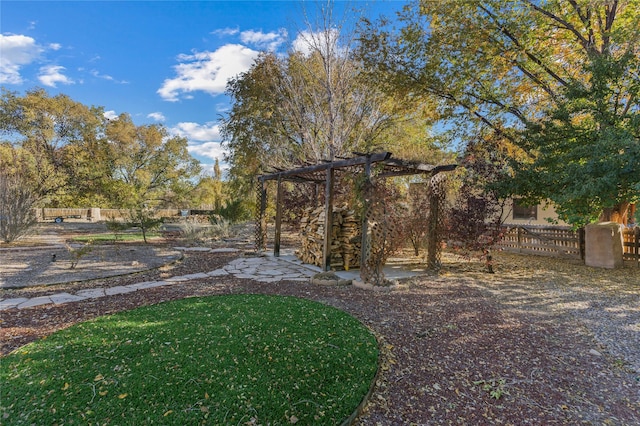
x=545, y=211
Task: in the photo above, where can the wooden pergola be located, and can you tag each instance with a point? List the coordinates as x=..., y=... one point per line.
x=324, y=173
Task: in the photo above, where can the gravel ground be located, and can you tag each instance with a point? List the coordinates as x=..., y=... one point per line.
x=539, y=342
x=36, y=266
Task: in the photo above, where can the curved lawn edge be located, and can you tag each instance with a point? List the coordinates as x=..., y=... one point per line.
x=310, y=362
x=372, y=386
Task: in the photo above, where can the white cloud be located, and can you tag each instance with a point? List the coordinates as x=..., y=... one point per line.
x=107, y=77
x=207, y=71
x=157, y=116
x=204, y=140
x=55, y=46
x=17, y=51
x=50, y=75
x=226, y=31
x=307, y=42
x=110, y=115
x=211, y=150
x=197, y=132
x=95, y=73
x=269, y=41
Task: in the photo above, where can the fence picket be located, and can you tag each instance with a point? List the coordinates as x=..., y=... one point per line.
x=563, y=241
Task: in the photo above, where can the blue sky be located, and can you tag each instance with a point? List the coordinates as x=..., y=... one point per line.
x=160, y=61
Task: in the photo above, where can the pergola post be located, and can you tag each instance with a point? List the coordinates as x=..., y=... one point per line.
x=366, y=238
x=328, y=220
x=434, y=237
x=276, y=243
x=261, y=219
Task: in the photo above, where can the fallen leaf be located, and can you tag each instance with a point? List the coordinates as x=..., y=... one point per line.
x=122, y=395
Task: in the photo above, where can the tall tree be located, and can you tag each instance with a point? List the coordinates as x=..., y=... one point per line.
x=17, y=197
x=312, y=105
x=209, y=193
x=61, y=137
x=558, y=79
x=150, y=169
x=148, y=165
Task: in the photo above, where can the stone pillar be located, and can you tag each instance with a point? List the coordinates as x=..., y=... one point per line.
x=603, y=245
x=94, y=214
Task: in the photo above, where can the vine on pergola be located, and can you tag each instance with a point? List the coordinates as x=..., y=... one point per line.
x=377, y=223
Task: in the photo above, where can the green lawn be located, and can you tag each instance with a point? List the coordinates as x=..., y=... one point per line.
x=217, y=360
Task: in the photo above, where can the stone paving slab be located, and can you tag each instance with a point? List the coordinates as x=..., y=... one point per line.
x=176, y=279
x=120, y=289
x=217, y=273
x=246, y=276
x=197, y=276
x=261, y=269
x=92, y=293
x=12, y=303
x=152, y=284
x=61, y=298
x=273, y=272
x=36, y=301
x=268, y=280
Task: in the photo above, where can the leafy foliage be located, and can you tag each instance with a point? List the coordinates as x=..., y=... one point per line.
x=218, y=360
x=557, y=79
x=61, y=138
x=478, y=211
x=16, y=197
x=71, y=155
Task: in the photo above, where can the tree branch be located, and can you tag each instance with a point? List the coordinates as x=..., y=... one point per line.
x=586, y=44
x=517, y=43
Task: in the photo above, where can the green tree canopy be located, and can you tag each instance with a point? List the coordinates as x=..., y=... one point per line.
x=314, y=105
x=150, y=168
x=61, y=139
x=558, y=79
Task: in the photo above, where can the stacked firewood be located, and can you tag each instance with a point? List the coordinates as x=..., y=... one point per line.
x=345, y=238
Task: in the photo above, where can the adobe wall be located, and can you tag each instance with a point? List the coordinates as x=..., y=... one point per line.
x=603, y=245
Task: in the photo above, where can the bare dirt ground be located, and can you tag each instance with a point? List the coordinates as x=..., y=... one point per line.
x=45, y=257
x=542, y=341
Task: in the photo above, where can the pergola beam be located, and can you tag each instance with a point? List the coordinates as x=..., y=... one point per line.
x=355, y=161
x=324, y=173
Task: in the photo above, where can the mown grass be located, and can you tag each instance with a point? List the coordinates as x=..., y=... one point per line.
x=237, y=359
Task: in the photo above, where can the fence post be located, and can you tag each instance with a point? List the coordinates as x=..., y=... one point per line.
x=581, y=243
x=637, y=244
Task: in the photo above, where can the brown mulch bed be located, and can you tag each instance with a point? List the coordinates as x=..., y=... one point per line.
x=518, y=347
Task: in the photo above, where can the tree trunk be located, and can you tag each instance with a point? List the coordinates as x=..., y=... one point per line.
x=618, y=214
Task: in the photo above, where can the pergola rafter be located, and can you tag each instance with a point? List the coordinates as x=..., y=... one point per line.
x=324, y=173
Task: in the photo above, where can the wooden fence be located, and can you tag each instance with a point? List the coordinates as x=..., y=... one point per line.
x=561, y=241
x=97, y=213
x=544, y=240
x=46, y=214
x=631, y=244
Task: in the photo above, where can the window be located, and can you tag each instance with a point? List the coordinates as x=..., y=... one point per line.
x=522, y=211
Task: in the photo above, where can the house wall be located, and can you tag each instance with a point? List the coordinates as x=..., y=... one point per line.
x=546, y=212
